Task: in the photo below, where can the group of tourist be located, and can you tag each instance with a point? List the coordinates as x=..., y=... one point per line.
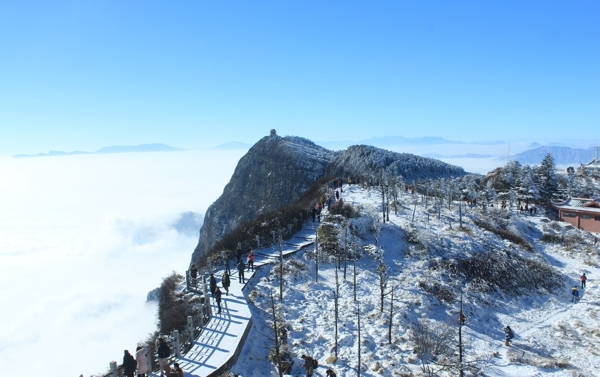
x=140, y=363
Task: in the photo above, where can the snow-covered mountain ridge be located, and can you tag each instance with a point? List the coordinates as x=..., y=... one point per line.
x=430, y=260
x=277, y=171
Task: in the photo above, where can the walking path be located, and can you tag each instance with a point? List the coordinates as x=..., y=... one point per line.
x=220, y=342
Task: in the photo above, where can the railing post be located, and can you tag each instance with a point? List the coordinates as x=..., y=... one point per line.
x=177, y=343
x=190, y=325
x=203, y=283
x=149, y=356
x=113, y=369
x=206, y=297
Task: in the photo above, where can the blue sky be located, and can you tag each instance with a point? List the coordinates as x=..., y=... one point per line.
x=80, y=75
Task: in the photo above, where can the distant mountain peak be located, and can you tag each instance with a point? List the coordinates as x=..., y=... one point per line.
x=158, y=147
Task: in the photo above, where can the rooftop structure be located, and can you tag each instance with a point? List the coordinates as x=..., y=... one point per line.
x=583, y=213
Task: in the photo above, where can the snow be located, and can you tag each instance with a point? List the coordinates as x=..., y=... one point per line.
x=553, y=336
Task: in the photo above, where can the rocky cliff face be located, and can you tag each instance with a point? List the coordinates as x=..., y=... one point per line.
x=274, y=173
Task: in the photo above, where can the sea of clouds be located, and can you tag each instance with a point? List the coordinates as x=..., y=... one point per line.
x=82, y=241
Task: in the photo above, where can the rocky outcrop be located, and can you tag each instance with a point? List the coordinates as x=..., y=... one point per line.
x=276, y=171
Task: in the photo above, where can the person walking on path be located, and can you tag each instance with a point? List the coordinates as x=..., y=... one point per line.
x=574, y=294
x=241, y=267
x=218, y=298
x=163, y=356
x=309, y=365
x=193, y=275
x=509, y=335
x=226, y=282
x=330, y=373
x=238, y=253
x=142, y=361
x=251, y=260
x=213, y=284
x=583, y=280
x=128, y=364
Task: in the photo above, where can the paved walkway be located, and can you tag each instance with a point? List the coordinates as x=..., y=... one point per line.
x=220, y=342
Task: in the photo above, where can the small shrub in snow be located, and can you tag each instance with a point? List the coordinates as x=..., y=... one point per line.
x=433, y=341
x=506, y=234
x=438, y=291
x=502, y=270
x=328, y=234
x=346, y=210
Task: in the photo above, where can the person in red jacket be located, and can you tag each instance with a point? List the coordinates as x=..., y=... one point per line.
x=251, y=260
x=583, y=280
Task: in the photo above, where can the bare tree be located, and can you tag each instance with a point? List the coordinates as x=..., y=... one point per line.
x=391, y=292
x=383, y=277
x=317, y=259
x=276, y=336
x=358, y=317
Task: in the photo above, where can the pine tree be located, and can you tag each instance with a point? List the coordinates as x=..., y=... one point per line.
x=546, y=178
x=528, y=189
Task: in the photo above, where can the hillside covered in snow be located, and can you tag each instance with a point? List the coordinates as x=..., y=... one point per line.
x=399, y=284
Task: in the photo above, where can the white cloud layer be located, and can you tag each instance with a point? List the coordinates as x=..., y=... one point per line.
x=82, y=241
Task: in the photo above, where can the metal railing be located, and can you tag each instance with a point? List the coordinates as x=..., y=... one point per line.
x=180, y=342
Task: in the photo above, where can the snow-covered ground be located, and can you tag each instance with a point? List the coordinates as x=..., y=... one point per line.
x=553, y=336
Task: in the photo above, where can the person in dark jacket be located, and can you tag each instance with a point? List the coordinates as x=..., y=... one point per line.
x=213, y=284
x=574, y=294
x=218, y=298
x=509, y=335
x=226, y=282
x=238, y=253
x=309, y=365
x=241, y=267
x=129, y=364
x=330, y=373
x=194, y=275
x=163, y=356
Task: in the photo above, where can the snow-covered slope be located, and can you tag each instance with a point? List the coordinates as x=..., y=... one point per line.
x=430, y=261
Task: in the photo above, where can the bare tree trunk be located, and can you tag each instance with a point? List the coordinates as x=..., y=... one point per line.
x=391, y=316
x=337, y=292
x=317, y=260
x=358, y=315
x=276, y=335
x=355, y=279
x=346, y=251
x=280, y=268
x=460, y=345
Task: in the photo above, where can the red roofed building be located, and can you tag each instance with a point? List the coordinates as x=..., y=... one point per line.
x=580, y=212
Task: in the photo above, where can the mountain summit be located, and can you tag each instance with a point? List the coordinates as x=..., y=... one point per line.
x=277, y=170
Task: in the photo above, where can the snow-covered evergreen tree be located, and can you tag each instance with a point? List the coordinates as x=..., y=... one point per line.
x=547, y=182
